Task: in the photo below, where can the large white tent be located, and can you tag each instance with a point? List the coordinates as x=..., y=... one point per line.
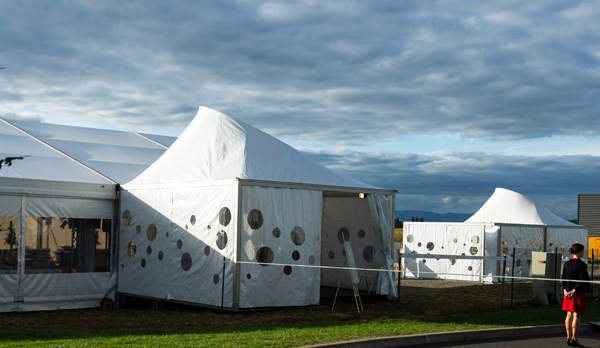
x=57, y=209
x=230, y=215
x=507, y=220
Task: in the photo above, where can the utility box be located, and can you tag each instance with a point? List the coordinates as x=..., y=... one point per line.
x=546, y=265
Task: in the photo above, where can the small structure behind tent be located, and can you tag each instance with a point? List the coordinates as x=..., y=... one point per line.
x=507, y=221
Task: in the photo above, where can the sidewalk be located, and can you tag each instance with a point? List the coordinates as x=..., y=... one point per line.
x=535, y=336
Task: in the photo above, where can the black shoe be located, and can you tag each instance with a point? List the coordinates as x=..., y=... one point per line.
x=568, y=342
x=575, y=344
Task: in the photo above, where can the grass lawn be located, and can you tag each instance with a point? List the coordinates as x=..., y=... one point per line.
x=435, y=310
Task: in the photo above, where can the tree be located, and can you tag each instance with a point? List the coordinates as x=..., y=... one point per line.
x=8, y=160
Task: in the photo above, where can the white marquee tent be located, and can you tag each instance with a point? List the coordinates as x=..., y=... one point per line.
x=507, y=220
x=232, y=215
x=57, y=209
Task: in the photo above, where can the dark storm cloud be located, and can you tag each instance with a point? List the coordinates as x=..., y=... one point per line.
x=338, y=72
x=463, y=182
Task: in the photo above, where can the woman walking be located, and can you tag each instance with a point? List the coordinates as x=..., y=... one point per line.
x=574, y=292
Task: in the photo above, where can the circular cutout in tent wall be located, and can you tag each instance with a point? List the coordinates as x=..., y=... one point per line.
x=424, y=260
x=160, y=255
x=562, y=248
x=255, y=219
x=179, y=244
x=331, y=254
x=138, y=229
x=208, y=227
x=550, y=242
x=505, y=251
x=311, y=260
x=264, y=256
x=470, y=268
x=207, y=250
x=151, y=232
x=369, y=253
x=126, y=218
x=186, y=262
x=296, y=255
x=409, y=238
x=430, y=246
x=297, y=235
x=419, y=244
x=131, y=249
x=287, y=270
x=216, y=279
x=221, y=240
x=475, y=239
x=504, y=240
x=452, y=261
x=143, y=262
x=249, y=276
x=455, y=240
x=276, y=232
x=192, y=220
x=149, y=250
x=186, y=227
x=224, y=216
x=361, y=234
x=473, y=250
x=345, y=233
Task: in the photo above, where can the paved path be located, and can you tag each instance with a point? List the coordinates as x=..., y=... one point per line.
x=588, y=339
x=526, y=337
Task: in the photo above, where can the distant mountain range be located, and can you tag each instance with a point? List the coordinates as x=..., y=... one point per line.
x=429, y=216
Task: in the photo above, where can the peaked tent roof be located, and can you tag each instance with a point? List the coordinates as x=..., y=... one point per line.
x=215, y=146
x=506, y=206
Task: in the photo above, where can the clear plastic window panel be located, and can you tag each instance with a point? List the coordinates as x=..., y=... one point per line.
x=9, y=244
x=63, y=245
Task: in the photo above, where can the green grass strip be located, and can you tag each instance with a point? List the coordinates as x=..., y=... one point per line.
x=286, y=335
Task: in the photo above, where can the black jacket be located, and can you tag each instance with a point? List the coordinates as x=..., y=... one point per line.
x=575, y=269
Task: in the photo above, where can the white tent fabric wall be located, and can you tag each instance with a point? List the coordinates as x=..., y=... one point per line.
x=525, y=240
x=351, y=217
x=20, y=291
x=444, y=239
x=283, y=227
x=183, y=260
x=382, y=212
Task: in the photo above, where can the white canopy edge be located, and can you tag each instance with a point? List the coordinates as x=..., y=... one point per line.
x=29, y=187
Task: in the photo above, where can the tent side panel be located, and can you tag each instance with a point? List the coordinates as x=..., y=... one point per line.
x=350, y=216
x=560, y=239
x=204, y=220
x=416, y=241
x=63, y=291
x=178, y=253
x=9, y=286
x=280, y=226
x=524, y=239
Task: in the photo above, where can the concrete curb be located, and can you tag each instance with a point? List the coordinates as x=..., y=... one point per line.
x=453, y=336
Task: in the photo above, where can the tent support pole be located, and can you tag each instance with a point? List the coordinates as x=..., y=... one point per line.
x=223, y=286
x=503, y=278
x=512, y=280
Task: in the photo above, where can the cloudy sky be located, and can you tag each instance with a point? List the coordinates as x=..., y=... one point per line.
x=442, y=100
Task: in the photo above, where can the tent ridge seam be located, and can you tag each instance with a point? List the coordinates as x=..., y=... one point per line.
x=157, y=143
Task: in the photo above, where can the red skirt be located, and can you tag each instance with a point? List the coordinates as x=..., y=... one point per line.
x=576, y=303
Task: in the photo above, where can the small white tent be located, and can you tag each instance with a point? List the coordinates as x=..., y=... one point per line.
x=230, y=215
x=507, y=220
